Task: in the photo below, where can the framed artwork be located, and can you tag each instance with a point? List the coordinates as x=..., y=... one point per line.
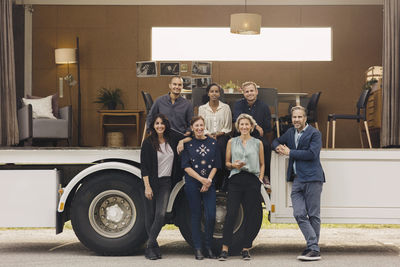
x=169, y=68
x=187, y=83
x=146, y=69
x=202, y=82
x=184, y=67
x=201, y=68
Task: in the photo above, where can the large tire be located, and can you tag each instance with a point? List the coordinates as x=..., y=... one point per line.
x=183, y=222
x=107, y=214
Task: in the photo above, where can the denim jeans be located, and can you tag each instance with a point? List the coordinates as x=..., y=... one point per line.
x=155, y=209
x=195, y=199
x=306, y=201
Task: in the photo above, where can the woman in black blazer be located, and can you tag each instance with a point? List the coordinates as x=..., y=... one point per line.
x=159, y=161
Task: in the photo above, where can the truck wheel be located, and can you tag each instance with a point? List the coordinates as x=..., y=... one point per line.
x=183, y=222
x=107, y=214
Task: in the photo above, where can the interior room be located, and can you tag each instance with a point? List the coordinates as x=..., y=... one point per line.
x=114, y=35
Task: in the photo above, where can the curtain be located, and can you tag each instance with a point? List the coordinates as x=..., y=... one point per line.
x=390, y=131
x=8, y=105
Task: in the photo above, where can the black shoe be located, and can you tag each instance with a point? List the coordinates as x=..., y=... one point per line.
x=150, y=254
x=198, y=255
x=209, y=254
x=312, y=255
x=223, y=256
x=245, y=255
x=158, y=252
x=305, y=252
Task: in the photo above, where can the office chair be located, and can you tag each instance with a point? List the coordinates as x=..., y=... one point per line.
x=199, y=96
x=360, y=115
x=270, y=97
x=310, y=103
x=148, y=102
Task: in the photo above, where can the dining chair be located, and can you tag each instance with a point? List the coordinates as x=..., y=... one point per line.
x=270, y=97
x=312, y=111
x=360, y=115
x=148, y=102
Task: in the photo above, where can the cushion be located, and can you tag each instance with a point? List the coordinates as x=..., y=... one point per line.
x=54, y=103
x=41, y=108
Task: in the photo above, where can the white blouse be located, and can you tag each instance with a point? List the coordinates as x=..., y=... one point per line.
x=220, y=121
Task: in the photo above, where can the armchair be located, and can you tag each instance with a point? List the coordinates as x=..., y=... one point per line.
x=49, y=129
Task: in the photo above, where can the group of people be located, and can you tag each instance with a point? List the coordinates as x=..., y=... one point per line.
x=205, y=148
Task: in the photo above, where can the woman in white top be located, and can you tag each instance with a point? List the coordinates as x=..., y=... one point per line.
x=218, y=124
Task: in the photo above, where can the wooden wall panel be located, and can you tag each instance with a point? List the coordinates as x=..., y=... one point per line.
x=113, y=38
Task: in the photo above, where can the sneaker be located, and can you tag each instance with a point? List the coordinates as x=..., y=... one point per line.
x=304, y=252
x=311, y=255
x=245, y=255
x=223, y=256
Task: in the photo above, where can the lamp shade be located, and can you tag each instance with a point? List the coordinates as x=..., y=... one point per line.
x=65, y=55
x=245, y=23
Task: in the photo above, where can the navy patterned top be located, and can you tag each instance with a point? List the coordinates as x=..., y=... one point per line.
x=202, y=156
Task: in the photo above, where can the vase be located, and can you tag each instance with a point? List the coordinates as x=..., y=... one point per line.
x=112, y=105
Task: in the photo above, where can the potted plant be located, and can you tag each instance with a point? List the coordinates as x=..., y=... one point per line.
x=230, y=87
x=110, y=98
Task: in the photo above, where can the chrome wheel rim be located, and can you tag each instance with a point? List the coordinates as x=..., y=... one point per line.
x=112, y=213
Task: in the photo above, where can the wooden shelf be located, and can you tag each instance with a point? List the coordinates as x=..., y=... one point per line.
x=119, y=119
x=120, y=124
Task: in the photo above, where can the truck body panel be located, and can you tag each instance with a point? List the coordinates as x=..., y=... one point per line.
x=361, y=187
x=29, y=198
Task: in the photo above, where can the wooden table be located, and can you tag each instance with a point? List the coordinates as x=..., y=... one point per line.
x=282, y=97
x=104, y=123
x=291, y=97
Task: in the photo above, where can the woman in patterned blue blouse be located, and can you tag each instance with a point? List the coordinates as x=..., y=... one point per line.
x=200, y=159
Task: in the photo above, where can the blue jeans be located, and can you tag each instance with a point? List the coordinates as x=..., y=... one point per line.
x=306, y=201
x=195, y=199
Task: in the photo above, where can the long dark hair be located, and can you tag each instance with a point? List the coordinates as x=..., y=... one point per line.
x=153, y=137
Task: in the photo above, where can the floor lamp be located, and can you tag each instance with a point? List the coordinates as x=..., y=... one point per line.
x=79, y=92
x=70, y=56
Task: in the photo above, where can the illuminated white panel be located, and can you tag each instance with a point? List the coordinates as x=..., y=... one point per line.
x=213, y=44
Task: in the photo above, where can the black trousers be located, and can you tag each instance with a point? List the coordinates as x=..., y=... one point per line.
x=243, y=188
x=155, y=209
x=223, y=173
x=267, y=156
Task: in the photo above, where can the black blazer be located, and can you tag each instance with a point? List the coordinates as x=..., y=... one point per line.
x=149, y=161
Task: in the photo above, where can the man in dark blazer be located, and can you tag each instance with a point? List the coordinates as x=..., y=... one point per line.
x=302, y=143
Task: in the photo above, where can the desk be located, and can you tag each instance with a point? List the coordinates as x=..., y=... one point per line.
x=282, y=97
x=291, y=97
x=116, y=115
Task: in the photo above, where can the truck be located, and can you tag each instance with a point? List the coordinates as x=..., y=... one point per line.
x=100, y=192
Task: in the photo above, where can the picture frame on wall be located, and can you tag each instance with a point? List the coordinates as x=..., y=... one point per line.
x=146, y=69
x=187, y=83
x=201, y=68
x=169, y=68
x=202, y=82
